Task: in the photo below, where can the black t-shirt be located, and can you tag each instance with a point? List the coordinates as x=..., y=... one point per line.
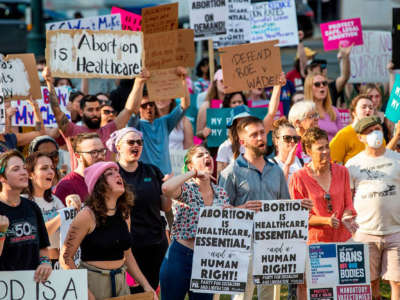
x=26, y=235
x=147, y=226
x=335, y=95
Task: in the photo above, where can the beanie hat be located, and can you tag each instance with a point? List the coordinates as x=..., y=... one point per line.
x=93, y=173
x=116, y=136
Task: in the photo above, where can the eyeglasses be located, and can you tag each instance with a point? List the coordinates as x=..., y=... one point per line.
x=133, y=142
x=313, y=116
x=95, y=152
x=108, y=112
x=147, y=104
x=328, y=199
x=321, y=83
x=289, y=138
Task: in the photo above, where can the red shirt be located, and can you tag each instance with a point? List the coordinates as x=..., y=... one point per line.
x=73, y=183
x=295, y=77
x=303, y=186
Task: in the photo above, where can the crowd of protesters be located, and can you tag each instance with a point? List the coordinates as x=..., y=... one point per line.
x=111, y=162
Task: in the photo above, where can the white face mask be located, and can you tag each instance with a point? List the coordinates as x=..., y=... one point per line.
x=40, y=76
x=375, y=139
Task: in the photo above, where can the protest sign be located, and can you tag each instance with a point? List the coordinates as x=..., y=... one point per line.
x=341, y=33
x=280, y=236
x=61, y=285
x=165, y=85
x=140, y=296
x=129, y=20
x=393, y=106
x=222, y=250
x=338, y=271
x=274, y=20
x=160, y=18
x=238, y=24
x=177, y=157
x=19, y=77
x=24, y=115
x=67, y=215
x=208, y=18
x=94, y=54
x=169, y=49
x=250, y=66
x=368, y=62
x=106, y=22
x=217, y=118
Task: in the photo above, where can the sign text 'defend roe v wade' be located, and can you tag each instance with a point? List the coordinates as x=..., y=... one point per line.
x=94, y=54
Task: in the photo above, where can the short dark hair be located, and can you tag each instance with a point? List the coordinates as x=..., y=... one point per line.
x=88, y=98
x=203, y=62
x=246, y=121
x=57, y=80
x=227, y=99
x=75, y=94
x=82, y=137
x=312, y=135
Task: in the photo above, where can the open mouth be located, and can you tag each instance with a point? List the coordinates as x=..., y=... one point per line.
x=119, y=182
x=49, y=179
x=208, y=163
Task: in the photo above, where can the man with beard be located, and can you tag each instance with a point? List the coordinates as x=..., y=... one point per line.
x=88, y=149
x=251, y=176
x=90, y=112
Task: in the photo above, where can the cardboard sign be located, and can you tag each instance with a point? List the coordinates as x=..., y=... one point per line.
x=342, y=32
x=165, y=85
x=160, y=18
x=274, y=20
x=338, y=271
x=251, y=66
x=238, y=25
x=280, y=236
x=222, y=250
x=208, y=18
x=106, y=22
x=19, y=77
x=369, y=61
x=393, y=106
x=140, y=296
x=61, y=285
x=94, y=54
x=217, y=118
x=169, y=49
x=129, y=20
x=24, y=115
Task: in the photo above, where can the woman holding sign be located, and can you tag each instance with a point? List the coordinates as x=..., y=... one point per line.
x=193, y=190
x=41, y=177
x=101, y=229
x=328, y=186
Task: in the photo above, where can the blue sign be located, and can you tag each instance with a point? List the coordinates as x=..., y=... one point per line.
x=393, y=105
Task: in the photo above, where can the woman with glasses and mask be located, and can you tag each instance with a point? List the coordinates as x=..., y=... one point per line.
x=285, y=139
x=149, y=242
x=328, y=186
x=316, y=89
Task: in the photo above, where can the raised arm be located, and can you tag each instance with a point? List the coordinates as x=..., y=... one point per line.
x=185, y=101
x=302, y=54
x=274, y=104
x=172, y=188
x=344, y=55
x=132, y=104
x=61, y=117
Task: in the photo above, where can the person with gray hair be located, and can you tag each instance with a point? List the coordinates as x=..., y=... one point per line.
x=303, y=115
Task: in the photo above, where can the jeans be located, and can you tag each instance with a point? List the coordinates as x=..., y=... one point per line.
x=175, y=273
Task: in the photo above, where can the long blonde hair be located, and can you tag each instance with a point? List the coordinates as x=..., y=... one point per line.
x=308, y=94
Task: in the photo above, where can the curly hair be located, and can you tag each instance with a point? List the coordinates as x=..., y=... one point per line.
x=97, y=201
x=311, y=136
x=30, y=164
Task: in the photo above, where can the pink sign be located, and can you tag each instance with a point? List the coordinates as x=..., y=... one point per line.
x=341, y=33
x=129, y=21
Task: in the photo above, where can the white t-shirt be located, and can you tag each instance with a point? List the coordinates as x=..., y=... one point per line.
x=177, y=136
x=49, y=211
x=295, y=166
x=225, y=153
x=376, y=181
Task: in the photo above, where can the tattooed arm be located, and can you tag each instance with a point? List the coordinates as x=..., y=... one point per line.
x=83, y=223
x=61, y=118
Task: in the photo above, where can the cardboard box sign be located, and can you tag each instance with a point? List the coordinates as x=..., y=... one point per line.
x=19, y=77
x=248, y=66
x=160, y=18
x=165, y=85
x=141, y=296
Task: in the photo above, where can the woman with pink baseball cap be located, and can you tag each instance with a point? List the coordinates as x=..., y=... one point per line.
x=101, y=230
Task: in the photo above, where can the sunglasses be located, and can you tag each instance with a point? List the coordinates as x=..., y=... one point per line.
x=320, y=83
x=289, y=138
x=328, y=199
x=148, y=104
x=108, y=112
x=313, y=116
x=133, y=142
